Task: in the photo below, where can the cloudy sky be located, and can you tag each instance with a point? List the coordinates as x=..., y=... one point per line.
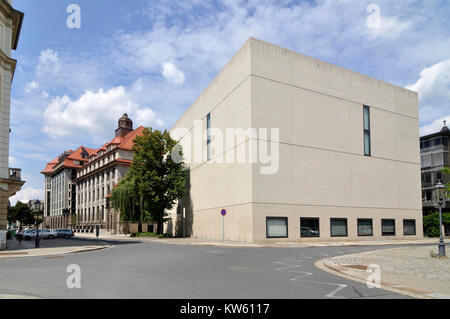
x=152, y=59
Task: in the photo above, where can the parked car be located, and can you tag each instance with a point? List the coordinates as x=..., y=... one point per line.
x=66, y=233
x=43, y=234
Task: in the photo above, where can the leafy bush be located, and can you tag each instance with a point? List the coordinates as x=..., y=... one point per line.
x=431, y=223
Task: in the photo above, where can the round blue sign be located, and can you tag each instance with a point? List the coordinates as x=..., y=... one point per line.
x=223, y=212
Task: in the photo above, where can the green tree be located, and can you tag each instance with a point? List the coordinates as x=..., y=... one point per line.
x=154, y=182
x=446, y=171
x=431, y=223
x=22, y=213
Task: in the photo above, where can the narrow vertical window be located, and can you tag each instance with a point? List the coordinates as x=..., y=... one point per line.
x=208, y=132
x=367, y=141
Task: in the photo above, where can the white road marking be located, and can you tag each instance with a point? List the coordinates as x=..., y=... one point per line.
x=289, y=267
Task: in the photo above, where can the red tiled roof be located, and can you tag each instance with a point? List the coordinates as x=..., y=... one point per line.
x=69, y=161
x=125, y=143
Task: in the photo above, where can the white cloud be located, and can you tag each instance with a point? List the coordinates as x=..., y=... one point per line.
x=172, y=73
x=434, y=92
x=31, y=86
x=93, y=113
x=435, y=126
x=27, y=194
x=12, y=161
x=147, y=117
x=49, y=63
x=390, y=27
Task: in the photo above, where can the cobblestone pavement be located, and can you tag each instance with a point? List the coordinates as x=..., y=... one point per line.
x=410, y=269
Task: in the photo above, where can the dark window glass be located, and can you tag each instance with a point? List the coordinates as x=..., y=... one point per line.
x=338, y=227
x=409, y=227
x=277, y=227
x=367, y=140
x=388, y=227
x=208, y=142
x=438, y=142
x=426, y=144
x=309, y=227
x=365, y=227
x=421, y=145
x=427, y=178
x=439, y=176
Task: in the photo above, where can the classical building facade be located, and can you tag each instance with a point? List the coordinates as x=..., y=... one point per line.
x=95, y=181
x=81, y=185
x=343, y=158
x=60, y=189
x=10, y=178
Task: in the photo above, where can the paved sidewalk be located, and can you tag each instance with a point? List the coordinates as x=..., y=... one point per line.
x=49, y=248
x=408, y=270
x=194, y=241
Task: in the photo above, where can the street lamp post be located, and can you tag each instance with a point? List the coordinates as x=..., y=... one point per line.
x=440, y=193
x=37, y=217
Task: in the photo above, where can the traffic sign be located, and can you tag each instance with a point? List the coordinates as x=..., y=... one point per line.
x=223, y=212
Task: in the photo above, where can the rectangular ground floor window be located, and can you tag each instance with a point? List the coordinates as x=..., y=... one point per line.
x=388, y=227
x=409, y=227
x=277, y=227
x=338, y=227
x=365, y=227
x=309, y=227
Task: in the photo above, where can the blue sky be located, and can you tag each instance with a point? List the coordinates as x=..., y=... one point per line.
x=152, y=59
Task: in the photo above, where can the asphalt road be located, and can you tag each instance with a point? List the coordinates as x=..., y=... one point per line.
x=166, y=271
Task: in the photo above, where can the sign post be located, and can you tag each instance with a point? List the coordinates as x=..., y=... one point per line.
x=223, y=213
x=184, y=223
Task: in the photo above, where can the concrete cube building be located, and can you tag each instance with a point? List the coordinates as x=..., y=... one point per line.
x=323, y=153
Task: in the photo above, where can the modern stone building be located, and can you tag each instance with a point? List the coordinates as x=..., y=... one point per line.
x=434, y=151
x=36, y=205
x=342, y=159
x=10, y=178
x=79, y=184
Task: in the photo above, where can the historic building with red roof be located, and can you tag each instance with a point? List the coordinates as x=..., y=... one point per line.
x=78, y=198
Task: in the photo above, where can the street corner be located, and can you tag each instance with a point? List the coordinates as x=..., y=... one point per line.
x=410, y=271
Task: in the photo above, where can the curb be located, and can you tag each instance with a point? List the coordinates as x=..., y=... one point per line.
x=266, y=244
x=334, y=270
x=14, y=255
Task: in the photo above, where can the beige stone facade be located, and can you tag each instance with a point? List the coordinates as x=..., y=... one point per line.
x=10, y=179
x=323, y=173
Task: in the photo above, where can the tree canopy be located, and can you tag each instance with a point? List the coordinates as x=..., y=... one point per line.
x=154, y=182
x=21, y=213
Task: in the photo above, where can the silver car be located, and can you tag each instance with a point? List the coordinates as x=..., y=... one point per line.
x=43, y=234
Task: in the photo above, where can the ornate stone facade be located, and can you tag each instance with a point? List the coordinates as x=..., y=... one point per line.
x=10, y=179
